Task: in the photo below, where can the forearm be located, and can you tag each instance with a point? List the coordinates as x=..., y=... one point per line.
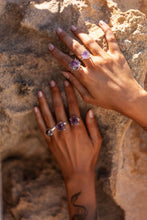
x=82, y=197
x=133, y=103
x=138, y=109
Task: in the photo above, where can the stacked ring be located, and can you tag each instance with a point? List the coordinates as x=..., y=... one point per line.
x=49, y=132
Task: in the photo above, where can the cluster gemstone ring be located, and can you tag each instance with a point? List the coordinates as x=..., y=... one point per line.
x=61, y=126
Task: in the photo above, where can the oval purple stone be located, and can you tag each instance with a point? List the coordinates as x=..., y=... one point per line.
x=74, y=120
x=61, y=126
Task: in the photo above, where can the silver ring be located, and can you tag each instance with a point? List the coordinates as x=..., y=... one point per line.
x=49, y=132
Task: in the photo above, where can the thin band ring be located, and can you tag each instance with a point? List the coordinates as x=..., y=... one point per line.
x=50, y=131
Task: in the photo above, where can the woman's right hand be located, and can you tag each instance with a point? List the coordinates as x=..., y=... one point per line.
x=106, y=79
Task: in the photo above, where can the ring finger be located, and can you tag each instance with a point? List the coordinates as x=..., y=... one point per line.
x=66, y=61
x=58, y=107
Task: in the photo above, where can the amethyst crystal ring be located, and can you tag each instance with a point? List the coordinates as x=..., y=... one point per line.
x=49, y=132
x=61, y=126
x=74, y=120
x=85, y=55
x=75, y=65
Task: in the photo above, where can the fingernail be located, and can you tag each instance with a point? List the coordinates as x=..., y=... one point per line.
x=51, y=47
x=66, y=83
x=59, y=30
x=35, y=109
x=65, y=74
x=91, y=115
x=40, y=94
x=52, y=83
x=101, y=22
x=73, y=28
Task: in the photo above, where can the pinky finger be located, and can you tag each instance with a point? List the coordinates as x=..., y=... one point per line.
x=40, y=120
x=81, y=89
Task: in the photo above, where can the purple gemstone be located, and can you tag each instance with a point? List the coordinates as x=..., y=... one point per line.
x=61, y=126
x=74, y=120
x=75, y=64
x=85, y=55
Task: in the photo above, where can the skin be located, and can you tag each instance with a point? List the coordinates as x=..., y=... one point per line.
x=105, y=79
x=76, y=150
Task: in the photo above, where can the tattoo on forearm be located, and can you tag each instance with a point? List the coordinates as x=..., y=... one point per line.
x=81, y=211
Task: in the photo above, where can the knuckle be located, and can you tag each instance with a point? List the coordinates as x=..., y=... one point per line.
x=88, y=42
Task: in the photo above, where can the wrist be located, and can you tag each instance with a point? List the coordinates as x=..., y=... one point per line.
x=135, y=105
x=80, y=178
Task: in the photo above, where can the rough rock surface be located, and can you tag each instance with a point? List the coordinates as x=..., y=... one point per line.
x=32, y=183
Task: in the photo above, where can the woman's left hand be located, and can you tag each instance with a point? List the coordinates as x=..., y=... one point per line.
x=75, y=150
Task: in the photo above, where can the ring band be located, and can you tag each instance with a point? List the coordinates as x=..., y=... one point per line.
x=49, y=132
x=74, y=120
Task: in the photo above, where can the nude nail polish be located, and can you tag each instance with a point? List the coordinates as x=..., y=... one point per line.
x=59, y=30
x=73, y=28
x=101, y=22
x=66, y=83
x=51, y=47
x=40, y=94
x=52, y=83
x=91, y=115
x=35, y=109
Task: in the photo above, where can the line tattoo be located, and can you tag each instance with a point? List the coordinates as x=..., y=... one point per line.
x=82, y=211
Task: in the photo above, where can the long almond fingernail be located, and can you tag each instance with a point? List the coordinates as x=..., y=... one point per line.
x=66, y=83
x=51, y=47
x=73, y=28
x=52, y=83
x=35, y=109
x=40, y=94
x=91, y=114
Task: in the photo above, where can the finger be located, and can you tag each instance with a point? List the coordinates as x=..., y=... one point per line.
x=112, y=43
x=72, y=44
x=71, y=100
x=66, y=60
x=81, y=89
x=46, y=113
x=40, y=121
x=58, y=103
x=88, y=41
x=93, y=128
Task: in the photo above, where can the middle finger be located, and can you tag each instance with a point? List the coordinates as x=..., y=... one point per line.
x=58, y=103
x=72, y=44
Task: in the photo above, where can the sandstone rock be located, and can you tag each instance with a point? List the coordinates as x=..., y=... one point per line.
x=32, y=183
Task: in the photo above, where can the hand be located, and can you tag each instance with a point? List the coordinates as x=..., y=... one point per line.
x=75, y=151
x=106, y=79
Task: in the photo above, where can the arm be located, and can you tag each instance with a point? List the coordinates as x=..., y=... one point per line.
x=74, y=149
x=106, y=79
x=138, y=109
x=82, y=197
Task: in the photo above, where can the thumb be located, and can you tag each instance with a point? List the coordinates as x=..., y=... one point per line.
x=93, y=129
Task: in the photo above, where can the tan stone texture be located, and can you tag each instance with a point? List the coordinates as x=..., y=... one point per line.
x=33, y=187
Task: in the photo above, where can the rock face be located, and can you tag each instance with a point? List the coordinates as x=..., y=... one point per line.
x=32, y=183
